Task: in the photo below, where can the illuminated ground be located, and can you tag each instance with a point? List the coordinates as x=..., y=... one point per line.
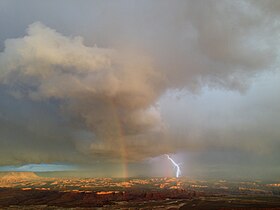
x=27, y=191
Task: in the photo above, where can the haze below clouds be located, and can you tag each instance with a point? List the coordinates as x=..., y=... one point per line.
x=100, y=83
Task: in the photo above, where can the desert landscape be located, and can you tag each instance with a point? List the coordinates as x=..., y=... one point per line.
x=27, y=190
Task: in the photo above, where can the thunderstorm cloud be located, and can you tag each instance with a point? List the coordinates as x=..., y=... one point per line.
x=135, y=80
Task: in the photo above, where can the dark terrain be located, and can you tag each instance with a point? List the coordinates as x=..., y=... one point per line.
x=29, y=191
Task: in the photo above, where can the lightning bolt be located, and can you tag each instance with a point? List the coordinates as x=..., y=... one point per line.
x=178, y=170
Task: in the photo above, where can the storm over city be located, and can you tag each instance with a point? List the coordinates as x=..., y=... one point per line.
x=121, y=88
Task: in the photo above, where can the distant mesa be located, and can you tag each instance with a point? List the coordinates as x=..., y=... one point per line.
x=20, y=175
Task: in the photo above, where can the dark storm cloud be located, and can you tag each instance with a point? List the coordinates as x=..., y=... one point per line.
x=105, y=96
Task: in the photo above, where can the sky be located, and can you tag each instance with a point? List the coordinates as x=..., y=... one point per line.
x=110, y=87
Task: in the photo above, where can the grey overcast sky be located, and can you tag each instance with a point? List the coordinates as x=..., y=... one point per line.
x=112, y=86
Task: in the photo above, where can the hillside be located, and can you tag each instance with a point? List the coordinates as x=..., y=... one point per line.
x=20, y=175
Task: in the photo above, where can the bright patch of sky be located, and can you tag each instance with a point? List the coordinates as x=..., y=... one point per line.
x=40, y=167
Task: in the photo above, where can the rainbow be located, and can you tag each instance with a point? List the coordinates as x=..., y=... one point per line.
x=120, y=137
